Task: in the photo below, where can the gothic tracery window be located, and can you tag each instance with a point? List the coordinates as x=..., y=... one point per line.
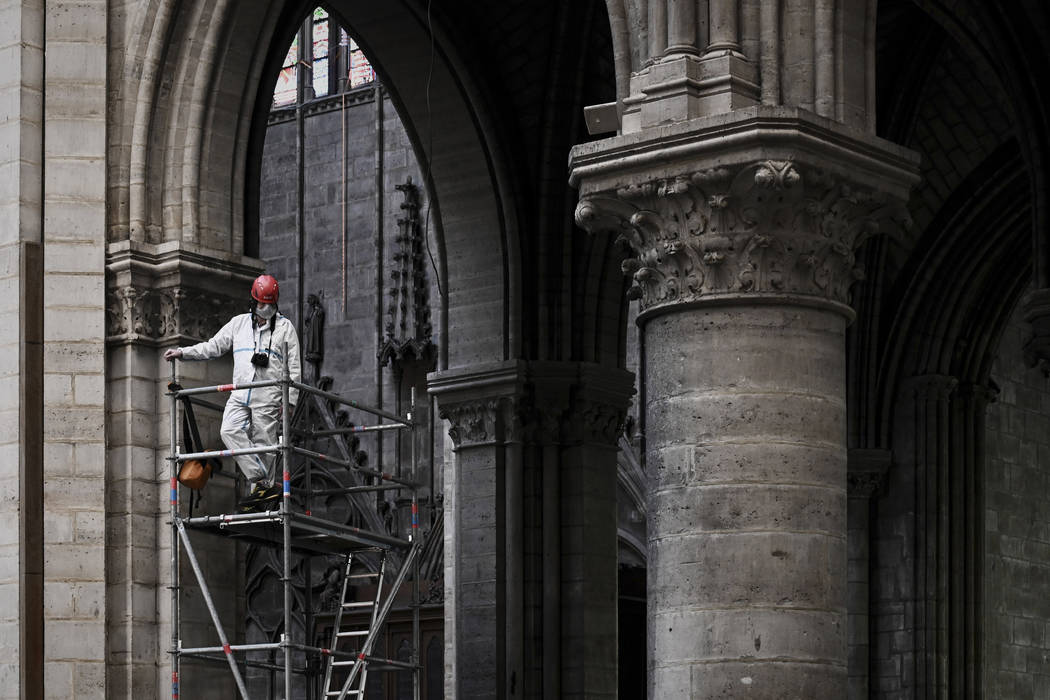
x=326, y=67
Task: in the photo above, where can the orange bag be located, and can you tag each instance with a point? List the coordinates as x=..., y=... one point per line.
x=194, y=473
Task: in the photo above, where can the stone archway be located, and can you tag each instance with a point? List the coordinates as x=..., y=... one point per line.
x=188, y=79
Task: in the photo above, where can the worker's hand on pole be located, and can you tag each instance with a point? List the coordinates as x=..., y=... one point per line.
x=172, y=354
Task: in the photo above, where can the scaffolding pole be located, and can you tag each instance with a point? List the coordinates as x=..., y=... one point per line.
x=299, y=531
x=174, y=515
x=414, y=437
x=286, y=509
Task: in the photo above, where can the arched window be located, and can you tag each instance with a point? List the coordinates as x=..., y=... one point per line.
x=327, y=69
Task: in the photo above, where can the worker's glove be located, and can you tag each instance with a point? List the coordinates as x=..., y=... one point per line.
x=172, y=354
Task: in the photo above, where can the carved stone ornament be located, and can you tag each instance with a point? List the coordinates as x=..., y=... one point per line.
x=767, y=227
x=142, y=313
x=864, y=484
x=595, y=423
x=472, y=422
x=408, y=330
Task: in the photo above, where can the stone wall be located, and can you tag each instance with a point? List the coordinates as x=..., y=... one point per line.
x=367, y=137
x=1017, y=527
x=52, y=164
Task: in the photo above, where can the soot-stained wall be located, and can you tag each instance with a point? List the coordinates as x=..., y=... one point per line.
x=1017, y=527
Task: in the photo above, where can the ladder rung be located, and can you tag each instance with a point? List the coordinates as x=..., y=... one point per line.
x=355, y=633
x=368, y=575
x=343, y=663
x=359, y=604
x=335, y=693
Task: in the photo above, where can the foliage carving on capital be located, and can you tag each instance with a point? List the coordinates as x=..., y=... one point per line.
x=471, y=422
x=763, y=227
x=137, y=313
x=864, y=484
x=595, y=422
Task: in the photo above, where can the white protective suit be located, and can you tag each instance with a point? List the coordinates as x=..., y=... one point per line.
x=252, y=416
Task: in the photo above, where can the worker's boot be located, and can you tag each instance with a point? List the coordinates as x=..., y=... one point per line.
x=262, y=498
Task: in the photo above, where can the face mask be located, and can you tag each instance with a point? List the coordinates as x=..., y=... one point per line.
x=265, y=311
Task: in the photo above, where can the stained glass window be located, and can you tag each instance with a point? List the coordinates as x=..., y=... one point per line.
x=360, y=69
x=285, y=91
x=320, y=52
x=320, y=56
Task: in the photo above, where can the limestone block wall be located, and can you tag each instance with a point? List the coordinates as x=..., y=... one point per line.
x=74, y=349
x=1017, y=527
x=51, y=265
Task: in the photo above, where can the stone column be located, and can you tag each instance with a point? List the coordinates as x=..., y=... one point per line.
x=587, y=532
x=866, y=473
x=927, y=608
x=687, y=59
x=483, y=635
x=530, y=508
x=740, y=232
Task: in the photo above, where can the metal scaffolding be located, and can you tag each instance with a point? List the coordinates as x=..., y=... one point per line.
x=305, y=535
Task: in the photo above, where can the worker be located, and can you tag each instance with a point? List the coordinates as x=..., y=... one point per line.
x=259, y=340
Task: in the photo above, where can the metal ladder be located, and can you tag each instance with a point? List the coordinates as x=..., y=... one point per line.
x=358, y=635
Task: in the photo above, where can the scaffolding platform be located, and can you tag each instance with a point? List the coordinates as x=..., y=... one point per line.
x=309, y=535
x=289, y=527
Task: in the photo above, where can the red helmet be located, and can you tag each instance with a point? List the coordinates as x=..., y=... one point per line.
x=264, y=289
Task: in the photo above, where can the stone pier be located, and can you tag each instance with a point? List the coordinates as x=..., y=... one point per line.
x=739, y=236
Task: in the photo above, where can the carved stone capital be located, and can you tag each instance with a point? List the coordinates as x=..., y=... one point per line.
x=542, y=403
x=770, y=227
x=471, y=422
x=595, y=423
x=598, y=407
x=144, y=314
x=866, y=472
x=760, y=203
x=483, y=404
x=170, y=293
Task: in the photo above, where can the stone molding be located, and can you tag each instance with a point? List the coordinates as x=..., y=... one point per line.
x=170, y=293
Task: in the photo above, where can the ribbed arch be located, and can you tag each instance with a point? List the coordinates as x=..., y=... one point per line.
x=955, y=295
